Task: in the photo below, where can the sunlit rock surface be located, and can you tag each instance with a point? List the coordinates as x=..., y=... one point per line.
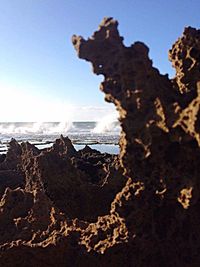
x=62, y=207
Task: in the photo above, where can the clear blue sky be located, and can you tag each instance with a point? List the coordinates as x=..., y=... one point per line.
x=38, y=63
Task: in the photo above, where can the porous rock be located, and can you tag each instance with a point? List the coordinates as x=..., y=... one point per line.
x=159, y=143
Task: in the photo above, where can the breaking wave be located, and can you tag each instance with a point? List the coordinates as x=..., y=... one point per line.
x=41, y=128
x=43, y=134
x=107, y=124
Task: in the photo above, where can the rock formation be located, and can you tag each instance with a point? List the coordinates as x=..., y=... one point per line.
x=62, y=207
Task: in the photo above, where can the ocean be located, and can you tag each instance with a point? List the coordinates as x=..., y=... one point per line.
x=103, y=135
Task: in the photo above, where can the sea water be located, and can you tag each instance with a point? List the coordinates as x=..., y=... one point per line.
x=103, y=136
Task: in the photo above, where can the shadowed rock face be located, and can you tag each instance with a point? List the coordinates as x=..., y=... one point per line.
x=159, y=140
x=159, y=123
x=69, y=208
x=185, y=57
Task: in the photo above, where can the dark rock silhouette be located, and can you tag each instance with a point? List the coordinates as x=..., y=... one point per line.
x=141, y=208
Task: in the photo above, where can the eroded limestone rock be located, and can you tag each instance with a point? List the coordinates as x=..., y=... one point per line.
x=159, y=141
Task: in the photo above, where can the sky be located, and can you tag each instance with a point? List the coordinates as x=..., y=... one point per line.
x=41, y=77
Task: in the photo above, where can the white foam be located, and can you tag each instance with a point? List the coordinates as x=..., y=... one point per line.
x=107, y=124
x=62, y=128
x=42, y=128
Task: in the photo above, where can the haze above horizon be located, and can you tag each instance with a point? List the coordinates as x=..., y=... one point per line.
x=41, y=77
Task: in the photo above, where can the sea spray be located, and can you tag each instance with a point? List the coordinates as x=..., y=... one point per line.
x=62, y=128
x=107, y=124
x=40, y=128
x=43, y=134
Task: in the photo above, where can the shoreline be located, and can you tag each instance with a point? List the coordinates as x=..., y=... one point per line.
x=111, y=148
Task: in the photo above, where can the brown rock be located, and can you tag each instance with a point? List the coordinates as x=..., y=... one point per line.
x=185, y=57
x=13, y=156
x=63, y=146
x=159, y=144
x=11, y=179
